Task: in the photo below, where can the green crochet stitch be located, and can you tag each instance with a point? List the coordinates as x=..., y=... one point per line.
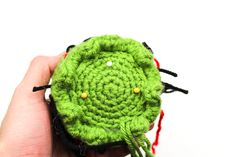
x=106, y=90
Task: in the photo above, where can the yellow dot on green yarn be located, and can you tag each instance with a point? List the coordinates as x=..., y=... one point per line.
x=84, y=95
x=136, y=90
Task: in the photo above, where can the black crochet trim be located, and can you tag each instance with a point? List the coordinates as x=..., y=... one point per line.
x=78, y=147
x=72, y=46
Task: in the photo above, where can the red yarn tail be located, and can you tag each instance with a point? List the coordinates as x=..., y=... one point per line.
x=155, y=143
x=157, y=63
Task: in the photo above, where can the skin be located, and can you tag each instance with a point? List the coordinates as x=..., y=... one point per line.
x=26, y=128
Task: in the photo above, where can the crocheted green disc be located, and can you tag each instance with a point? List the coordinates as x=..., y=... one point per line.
x=107, y=89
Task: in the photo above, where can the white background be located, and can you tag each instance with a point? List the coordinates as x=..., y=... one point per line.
x=195, y=38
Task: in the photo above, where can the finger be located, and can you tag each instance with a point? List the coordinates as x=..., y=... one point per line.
x=38, y=74
x=26, y=125
x=41, y=69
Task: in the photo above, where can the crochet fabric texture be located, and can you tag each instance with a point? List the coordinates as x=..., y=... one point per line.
x=107, y=90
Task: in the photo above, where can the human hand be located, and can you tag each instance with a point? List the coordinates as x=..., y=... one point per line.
x=26, y=129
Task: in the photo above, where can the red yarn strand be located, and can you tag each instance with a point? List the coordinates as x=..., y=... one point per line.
x=65, y=55
x=157, y=63
x=155, y=143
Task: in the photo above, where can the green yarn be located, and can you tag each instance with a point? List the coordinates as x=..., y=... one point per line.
x=108, y=68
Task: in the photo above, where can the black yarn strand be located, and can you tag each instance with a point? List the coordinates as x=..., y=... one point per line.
x=35, y=89
x=147, y=47
x=168, y=88
x=87, y=39
x=69, y=48
x=168, y=72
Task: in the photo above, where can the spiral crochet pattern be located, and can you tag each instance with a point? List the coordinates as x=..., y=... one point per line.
x=106, y=90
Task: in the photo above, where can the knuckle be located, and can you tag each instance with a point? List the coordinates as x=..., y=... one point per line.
x=39, y=60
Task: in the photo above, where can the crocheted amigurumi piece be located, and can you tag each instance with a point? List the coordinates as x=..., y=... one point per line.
x=106, y=91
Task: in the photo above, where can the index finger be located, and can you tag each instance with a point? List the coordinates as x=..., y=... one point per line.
x=39, y=73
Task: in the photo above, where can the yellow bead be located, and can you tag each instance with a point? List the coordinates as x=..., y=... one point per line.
x=136, y=90
x=84, y=95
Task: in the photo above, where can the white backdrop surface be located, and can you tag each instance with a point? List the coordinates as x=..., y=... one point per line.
x=195, y=38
